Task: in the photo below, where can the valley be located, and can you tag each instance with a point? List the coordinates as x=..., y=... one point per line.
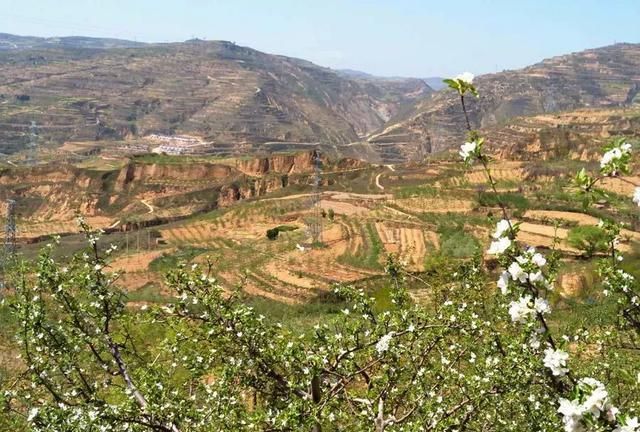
x=160, y=210
x=202, y=236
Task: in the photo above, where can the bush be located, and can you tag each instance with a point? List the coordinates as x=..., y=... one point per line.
x=272, y=233
x=456, y=243
x=589, y=239
x=510, y=200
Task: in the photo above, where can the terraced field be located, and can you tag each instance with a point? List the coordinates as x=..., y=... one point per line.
x=426, y=212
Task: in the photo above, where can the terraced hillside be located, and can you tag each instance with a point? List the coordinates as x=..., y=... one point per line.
x=571, y=134
x=602, y=78
x=234, y=99
x=161, y=210
x=150, y=190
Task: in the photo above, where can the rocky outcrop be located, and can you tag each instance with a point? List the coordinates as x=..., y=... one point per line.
x=295, y=163
x=135, y=172
x=250, y=188
x=42, y=174
x=144, y=192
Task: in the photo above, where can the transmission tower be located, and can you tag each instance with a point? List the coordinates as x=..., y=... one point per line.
x=32, y=147
x=10, y=231
x=315, y=222
x=9, y=241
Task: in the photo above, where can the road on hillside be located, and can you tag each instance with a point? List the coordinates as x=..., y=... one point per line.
x=378, y=177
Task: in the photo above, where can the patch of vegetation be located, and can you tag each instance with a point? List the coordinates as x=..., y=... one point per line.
x=368, y=255
x=418, y=191
x=589, y=239
x=273, y=233
x=511, y=200
x=170, y=261
x=456, y=243
x=148, y=293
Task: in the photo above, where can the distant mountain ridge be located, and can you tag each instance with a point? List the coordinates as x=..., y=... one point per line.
x=14, y=42
x=607, y=77
x=242, y=101
x=237, y=99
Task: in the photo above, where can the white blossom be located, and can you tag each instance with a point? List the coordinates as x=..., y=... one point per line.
x=520, y=310
x=541, y=306
x=597, y=401
x=614, y=153
x=631, y=425
x=33, y=412
x=572, y=415
x=536, y=277
x=556, y=360
x=499, y=246
x=466, y=77
x=501, y=227
x=503, y=282
x=467, y=150
x=539, y=259
x=517, y=273
x=383, y=343
x=636, y=196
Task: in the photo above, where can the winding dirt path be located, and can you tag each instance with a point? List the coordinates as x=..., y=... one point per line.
x=149, y=206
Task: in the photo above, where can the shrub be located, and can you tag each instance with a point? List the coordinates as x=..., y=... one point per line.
x=456, y=243
x=510, y=200
x=272, y=233
x=589, y=239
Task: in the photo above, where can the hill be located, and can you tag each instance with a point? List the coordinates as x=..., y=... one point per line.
x=233, y=99
x=601, y=78
x=14, y=42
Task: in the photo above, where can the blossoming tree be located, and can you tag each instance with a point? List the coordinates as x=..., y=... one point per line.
x=478, y=355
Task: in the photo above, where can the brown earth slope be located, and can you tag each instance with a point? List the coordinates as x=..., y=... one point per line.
x=600, y=78
x=234, y=98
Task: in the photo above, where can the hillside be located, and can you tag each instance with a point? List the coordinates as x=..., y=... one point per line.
x=576, y=135
x=232, y=98
x=14, y=42
x=605, y=78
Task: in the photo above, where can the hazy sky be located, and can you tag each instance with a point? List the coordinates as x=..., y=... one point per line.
x=394, y=37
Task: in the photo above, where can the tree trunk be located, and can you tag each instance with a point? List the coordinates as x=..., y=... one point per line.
x=316, y=396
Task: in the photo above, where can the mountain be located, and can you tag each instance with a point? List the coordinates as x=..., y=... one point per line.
x=14, y=42
x=578, y=134
x=232, y=98
x=435, y=83
x=601, y=78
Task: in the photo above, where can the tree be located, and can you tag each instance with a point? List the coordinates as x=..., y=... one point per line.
x=472, y=358
x=215, y=364
x=272, y=233
x=331, y=214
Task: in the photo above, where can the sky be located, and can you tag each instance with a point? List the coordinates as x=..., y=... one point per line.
x=417, y=38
